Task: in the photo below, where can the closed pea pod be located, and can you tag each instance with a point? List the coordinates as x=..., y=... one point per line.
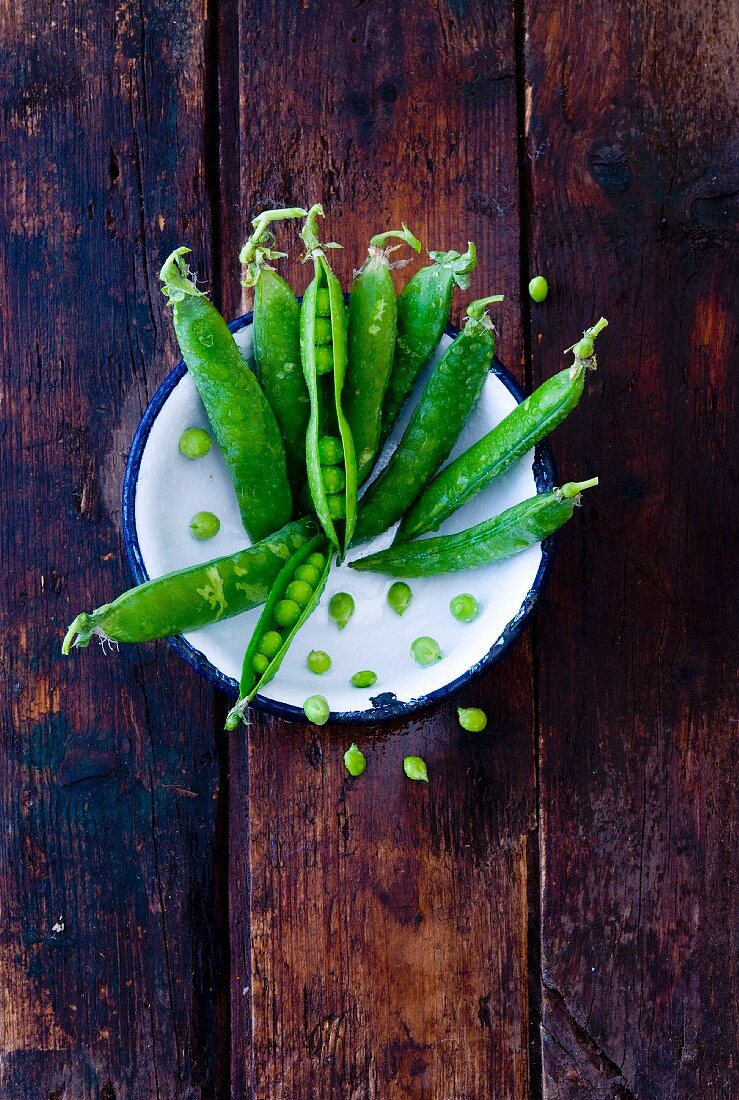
x=423, y=309
x=277, y=339
x=194, y=597
x=371, y=346
x=239, y=413
x=449, y=397
x=495, y=539
x=324, y=367
x=500, y=449
x=275, y=630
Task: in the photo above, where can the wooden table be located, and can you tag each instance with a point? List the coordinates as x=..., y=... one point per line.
x=189, y=916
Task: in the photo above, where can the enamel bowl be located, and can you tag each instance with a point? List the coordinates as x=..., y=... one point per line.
x=162, y=490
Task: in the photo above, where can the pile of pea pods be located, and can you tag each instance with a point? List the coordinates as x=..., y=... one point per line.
x=300, y=434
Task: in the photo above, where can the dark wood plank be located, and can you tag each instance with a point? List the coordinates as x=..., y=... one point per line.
x=110, y=950
x=388, y=921
x=633, y=153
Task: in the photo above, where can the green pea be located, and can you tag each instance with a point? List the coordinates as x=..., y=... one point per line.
x=323, y=330
x=538, y=288
x=316, y=709
x=260, y=663
x=336, y=505
x=299, y=591
x=195, y=442
x=425, y=650
x=318, y=662
x=341, y=608
x=330, y=451
x=354, y=760
x=472, y=719
x=324, y=360
x=270, y=644
x=204, y=525
x=317, y=560
x=366, y=679
x=323, y=302
x=415, y=768
x=464, y=608
x=399, y=597
x=584, y=348
x=334, y=479
x=309, y=574
x=287, y=612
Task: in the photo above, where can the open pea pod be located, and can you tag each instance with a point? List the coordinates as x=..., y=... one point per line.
x=329, y=448
x=276, y=628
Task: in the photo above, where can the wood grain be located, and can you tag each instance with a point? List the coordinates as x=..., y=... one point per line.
x=110, y=948
x=633, y=152
x=388, y=921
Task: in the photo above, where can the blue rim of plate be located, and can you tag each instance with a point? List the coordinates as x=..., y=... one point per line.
x=385, y=706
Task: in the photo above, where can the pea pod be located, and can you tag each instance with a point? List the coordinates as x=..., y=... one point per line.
x=277, y=340
x=323, y=351
x=423, y=312
x=371, y=345
x=239, y=413
x=194, y=597
x=497, y=451
x=447, y=401
x=493, y=540
x=253, y=675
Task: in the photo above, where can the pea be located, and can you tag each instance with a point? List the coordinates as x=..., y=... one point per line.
x=260, y=663
x=318, y=662
x=316, y=709
x=336, y=503
x=538, y=288
x=323, y=302
x=286, y=612
x=334, y=479
x=324, y=360
x=425, y=650
x=323, y=330
x=195, y=443
x=204, y=525
x=415, y=768
x=366, y=679
x=399, y=597
x=270, y=644
x=317, y=560
x=308, y=573
x=472, y=719
x=330, y=451
x=299, y=591
x=584, y=348
x=341, y=608
x=464, y=608
x=354, y=760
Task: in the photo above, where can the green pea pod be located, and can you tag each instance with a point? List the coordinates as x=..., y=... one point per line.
x=371, y=346
x=450, y=395
x=194, y=597
x=493, y=540
x=324, y=364
x=252, y=681
x=277, y=340
x=500, y=449
x=242, y=421
x=424, y=306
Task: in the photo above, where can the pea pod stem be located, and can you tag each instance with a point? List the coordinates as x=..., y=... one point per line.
x=493, y=540
x=380, y=239
x=589, y=333
x=258, y=251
